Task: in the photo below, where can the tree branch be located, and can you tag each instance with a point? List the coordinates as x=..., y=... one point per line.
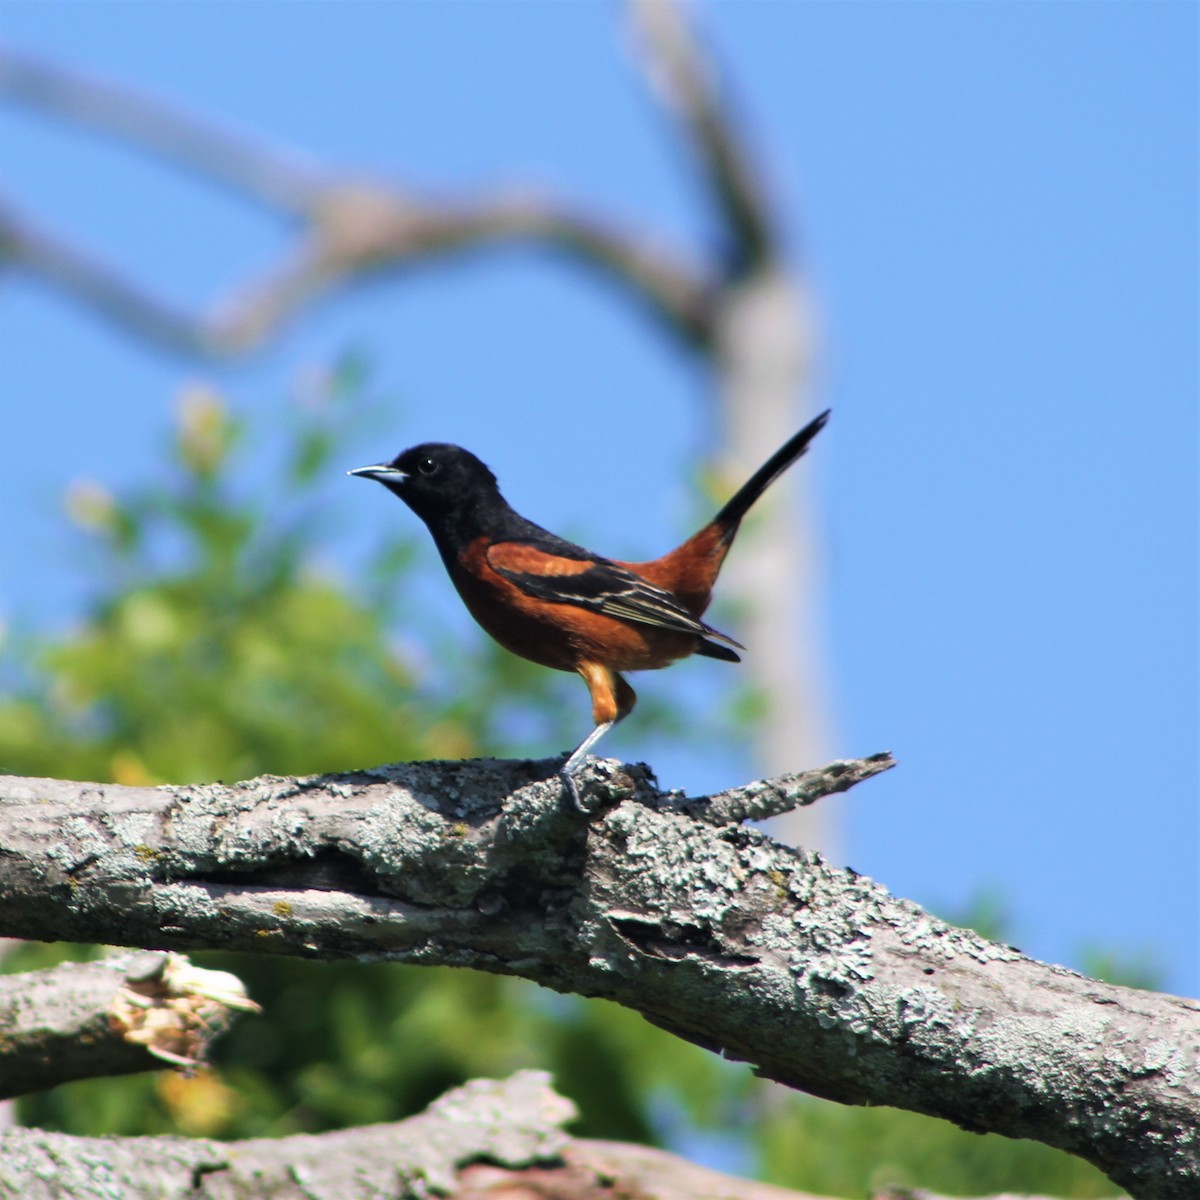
x=774, y=797
x=361, y=227
x=279, y=180
x=686, y=81
x=513, y=1123
x=129, y=1013
x=348, y=225
x=818, y=977
x=98, y=285
x=487, y=1140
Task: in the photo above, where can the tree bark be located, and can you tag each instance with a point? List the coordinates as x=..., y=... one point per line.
x=489, y=1140
x=514, y=1123
x=816, y=976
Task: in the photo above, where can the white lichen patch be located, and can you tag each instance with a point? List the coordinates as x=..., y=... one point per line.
x=926, y=1007
x=133, y=828
x=1164, y=1058
x=88, y=841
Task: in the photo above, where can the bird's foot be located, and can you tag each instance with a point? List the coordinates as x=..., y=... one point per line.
x=567, y=775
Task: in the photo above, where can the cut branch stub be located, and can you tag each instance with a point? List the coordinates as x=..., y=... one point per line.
x=117, y=1016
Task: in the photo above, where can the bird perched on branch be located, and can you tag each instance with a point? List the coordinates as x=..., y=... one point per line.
x=560, y=605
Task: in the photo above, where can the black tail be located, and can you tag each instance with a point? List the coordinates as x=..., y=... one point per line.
x=716, y=650
x=731, y=515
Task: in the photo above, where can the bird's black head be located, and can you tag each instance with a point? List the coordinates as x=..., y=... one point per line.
x=438, y=481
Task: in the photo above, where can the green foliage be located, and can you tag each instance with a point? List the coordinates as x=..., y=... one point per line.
x=832, y=1150
x=1137, y=969
x=216, y=649
x=236, y=656
x=344, y=1044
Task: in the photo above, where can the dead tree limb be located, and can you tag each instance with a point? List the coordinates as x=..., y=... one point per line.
x=347, y=225
x=514, y=1123
x=487, y=1140
x=816, y=976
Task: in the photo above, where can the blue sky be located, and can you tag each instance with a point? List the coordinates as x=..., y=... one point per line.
x=996, y=205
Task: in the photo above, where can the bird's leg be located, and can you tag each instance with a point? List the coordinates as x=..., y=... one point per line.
x=575, y=761
x=612, y=699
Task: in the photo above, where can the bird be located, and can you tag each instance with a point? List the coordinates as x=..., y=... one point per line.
x=555, y=603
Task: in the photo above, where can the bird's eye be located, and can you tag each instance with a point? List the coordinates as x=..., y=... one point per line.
x=428, y=466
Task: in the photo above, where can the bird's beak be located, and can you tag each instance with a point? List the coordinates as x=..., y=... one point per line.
x=382, y=472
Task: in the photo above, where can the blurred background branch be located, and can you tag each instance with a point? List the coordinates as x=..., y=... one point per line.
x=346, y=224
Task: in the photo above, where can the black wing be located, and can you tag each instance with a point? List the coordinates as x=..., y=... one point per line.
x=604, y=587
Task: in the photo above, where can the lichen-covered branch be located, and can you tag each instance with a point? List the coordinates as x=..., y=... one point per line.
x=775, y=797
x=123, y=1014
x=514, y=1123
x=816, y=976
x=487, y=1140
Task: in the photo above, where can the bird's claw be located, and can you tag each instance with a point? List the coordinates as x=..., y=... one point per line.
x=567, y=775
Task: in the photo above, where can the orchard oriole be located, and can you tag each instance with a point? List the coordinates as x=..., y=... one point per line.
x=560, y=605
